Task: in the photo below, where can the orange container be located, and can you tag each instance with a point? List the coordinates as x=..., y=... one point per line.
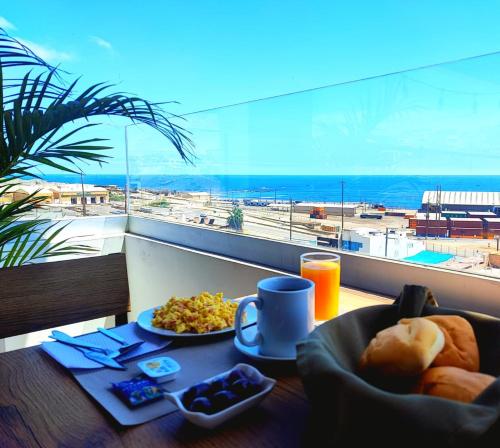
x=324, y=270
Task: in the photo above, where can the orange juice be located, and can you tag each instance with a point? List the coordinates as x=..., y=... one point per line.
x=326, y=278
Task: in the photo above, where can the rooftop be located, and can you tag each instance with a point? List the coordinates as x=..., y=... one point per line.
x=462, y=197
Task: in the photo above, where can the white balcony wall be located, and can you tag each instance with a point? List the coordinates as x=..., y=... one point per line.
x=158, y=270
x=453, y=289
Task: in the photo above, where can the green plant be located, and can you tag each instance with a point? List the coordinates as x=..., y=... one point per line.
x=43, y=119
x=118, y=197
x=235, y=219
x=160, y=203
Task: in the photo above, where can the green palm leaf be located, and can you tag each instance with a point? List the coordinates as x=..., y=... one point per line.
x=41, y=118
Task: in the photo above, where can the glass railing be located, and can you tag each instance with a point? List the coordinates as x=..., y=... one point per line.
x=345, y=166
x=403, y=166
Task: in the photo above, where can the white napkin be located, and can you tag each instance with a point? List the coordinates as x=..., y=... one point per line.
x=74, y=359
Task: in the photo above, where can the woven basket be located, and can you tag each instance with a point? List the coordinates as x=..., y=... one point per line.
x=348, y=411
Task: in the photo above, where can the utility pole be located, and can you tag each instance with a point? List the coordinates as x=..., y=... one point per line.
x=127, y=181
x=386, y=240
x=291, y=210
x=84, y=199
x=427, y=219
x=342, y=212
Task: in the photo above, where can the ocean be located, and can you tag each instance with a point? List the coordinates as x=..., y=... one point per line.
x=392, y=191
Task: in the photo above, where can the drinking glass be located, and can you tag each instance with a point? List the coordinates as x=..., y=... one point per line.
x=324, y=270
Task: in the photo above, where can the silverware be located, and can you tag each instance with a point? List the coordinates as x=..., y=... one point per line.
x=110, y=353
x=101, y=358
x=126, y=346
x=67, y=339
x=112, y=335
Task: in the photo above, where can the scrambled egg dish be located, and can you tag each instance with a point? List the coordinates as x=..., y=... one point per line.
x=200, y=314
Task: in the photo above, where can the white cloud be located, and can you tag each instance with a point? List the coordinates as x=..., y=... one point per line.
x=46, y=53
x=5, y=24
x=101, y=42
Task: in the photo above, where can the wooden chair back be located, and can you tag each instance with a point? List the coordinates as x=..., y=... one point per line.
x=40, y=296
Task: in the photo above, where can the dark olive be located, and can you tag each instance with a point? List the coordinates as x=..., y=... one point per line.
x=198, y=390
x=242, y=387
x=218, y=385
x=223, y=399
x=235, y=375
x=201, y=404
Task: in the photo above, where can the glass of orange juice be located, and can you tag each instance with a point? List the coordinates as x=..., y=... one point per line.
x=323, y=269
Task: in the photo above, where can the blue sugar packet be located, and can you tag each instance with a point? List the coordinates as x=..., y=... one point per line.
x=138, y=391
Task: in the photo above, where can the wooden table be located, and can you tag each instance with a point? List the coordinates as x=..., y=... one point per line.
x=41, y=405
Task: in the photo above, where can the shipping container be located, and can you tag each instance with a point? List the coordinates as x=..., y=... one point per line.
x=326, y=228
x=491, y=228
x=401, y=214
x=431, y=231
x=432, y=222
x=466, y=223
x=461, y=232
x=481, y=215
x=453, y=214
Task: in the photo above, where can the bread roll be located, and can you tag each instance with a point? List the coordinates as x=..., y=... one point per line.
x=453, y=383
x=460, y=344
x=405, y=349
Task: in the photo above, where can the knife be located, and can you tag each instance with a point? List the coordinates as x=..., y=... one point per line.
x=63, y=337
x=66, y=339
x=101, y=358
x=112, y=335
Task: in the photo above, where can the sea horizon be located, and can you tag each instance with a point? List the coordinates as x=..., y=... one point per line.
x=396, y=191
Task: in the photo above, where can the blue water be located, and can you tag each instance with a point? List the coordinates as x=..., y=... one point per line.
x=392, y=191
x=428, y=257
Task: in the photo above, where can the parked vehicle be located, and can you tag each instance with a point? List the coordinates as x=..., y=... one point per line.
x=370, y=216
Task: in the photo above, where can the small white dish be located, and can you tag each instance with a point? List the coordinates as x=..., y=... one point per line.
x=162, y=368
x=212, y=420
x=145, y=317
x=253, y=352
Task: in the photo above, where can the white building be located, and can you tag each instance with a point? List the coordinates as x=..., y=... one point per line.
x=395, y=244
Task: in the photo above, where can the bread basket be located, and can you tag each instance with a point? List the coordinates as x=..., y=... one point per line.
x=348, y=411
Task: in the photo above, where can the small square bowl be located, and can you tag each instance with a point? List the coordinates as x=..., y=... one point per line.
x=162, y=368
x=212, y=420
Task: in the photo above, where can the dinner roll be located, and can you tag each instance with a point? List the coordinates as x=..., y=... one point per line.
x=460, y=344
x=453, y=383
x=405, y=349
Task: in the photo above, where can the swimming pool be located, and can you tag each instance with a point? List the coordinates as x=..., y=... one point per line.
x=428, y=257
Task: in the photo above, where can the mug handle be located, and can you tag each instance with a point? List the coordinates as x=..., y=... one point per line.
x=237, y=324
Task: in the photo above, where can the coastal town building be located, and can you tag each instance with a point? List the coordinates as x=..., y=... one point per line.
x=74, y=194
x=480, y=201
x=195, y=195
x=57, y=193
x=392, y=243
x=22, y=191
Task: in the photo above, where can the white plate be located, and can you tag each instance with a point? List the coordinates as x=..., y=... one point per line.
x=253, y=352
x=144, y=321
x=212, y=420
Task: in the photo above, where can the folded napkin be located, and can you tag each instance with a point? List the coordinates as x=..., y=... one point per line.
x=72, y=358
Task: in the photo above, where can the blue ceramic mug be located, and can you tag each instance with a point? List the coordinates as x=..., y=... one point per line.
x=285, y=315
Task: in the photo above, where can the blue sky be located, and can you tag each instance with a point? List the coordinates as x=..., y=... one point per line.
x=208, y=53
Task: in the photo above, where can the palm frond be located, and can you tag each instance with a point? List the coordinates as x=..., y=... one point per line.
x=14, y=53
x=40, y=119
x=32, y=243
